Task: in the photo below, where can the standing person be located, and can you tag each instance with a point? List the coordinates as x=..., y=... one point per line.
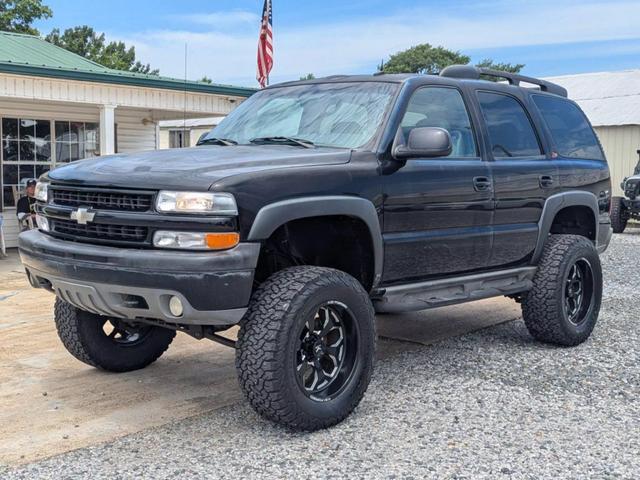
x=26, y=207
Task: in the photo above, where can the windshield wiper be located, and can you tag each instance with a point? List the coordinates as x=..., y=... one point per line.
x=284, y=140
x=227, y=142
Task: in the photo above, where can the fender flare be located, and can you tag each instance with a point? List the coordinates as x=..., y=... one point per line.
x=553, y=205
x=272, y=216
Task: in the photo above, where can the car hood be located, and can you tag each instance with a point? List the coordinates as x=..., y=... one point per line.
x=191, y=168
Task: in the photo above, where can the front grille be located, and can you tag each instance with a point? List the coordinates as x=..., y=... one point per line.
x=102, y=199
x=102, y=232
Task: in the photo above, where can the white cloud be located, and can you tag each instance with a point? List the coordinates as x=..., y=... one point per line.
x=223, y=20
x=228, y=55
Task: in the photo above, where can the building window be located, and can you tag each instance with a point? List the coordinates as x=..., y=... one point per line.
x=76, y=140
x=178, y=138
x=31, y=147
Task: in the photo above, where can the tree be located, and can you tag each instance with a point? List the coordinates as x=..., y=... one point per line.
x=84, y=41
x=423, y=58
x=308, y=76
x=18, y=15
x=505, y=67
x=205, y=79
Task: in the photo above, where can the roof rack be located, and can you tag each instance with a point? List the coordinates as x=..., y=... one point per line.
x=475, y=73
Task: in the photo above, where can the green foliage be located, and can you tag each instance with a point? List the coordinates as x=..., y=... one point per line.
x=18, y=15
x=308, y=76
x=504, y=67
x=205, y=79
x=84, y=41
x=423, y=58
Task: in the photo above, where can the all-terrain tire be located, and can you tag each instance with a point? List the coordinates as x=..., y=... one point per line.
x=545, y=307
x=618, y=215
x=83, y=335
x=269, y=339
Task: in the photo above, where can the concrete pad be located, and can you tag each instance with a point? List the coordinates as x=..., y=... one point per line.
x=50, y=403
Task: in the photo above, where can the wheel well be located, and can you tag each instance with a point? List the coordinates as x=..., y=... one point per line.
x=336, y=241
x=575, y=220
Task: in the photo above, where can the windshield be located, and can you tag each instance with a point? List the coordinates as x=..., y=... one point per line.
x=343, y=115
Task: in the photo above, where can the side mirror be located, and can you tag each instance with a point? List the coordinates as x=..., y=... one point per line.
x=425, y=142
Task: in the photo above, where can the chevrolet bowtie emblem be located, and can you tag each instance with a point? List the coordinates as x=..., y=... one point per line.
x=82, y=216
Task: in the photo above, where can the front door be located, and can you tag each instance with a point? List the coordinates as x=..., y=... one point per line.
x=437, y=211
x=523, y=177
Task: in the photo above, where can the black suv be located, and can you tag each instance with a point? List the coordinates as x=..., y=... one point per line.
x=316, y=204
x=626, y=208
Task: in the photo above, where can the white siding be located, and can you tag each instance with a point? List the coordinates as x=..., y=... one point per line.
x=54, y=89
x=133, y=134
x=620, y=144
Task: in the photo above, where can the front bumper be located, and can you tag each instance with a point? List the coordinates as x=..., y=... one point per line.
x=214, y=287
x=605, y=232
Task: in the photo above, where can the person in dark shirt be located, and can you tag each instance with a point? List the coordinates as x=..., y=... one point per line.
x=26, y=206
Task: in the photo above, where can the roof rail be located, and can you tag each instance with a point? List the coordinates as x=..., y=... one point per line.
x=475, y=73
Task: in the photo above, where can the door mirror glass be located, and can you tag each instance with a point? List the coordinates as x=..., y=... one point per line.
x=425, y=142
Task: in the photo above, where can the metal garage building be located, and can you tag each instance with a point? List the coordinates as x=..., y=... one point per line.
x=611, y=100
x=57, y=107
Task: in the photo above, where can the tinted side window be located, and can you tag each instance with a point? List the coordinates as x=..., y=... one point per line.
x=443, y=108
x=570, y=130
x=510, y=131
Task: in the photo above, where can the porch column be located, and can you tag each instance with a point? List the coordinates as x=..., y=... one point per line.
x=107, y=129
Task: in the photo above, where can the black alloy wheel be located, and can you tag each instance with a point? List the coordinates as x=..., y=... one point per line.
x=578, y=297
x=327, y=351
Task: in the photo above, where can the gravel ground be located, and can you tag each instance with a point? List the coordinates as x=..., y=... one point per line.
x=490, y=404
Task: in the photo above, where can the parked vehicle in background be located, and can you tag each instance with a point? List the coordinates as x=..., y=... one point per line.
x=627, y=208
x=316, y=204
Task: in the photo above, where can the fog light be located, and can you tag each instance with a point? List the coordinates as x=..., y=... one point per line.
x=175, y=306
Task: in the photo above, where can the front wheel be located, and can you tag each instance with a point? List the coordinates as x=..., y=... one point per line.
x=306, y=347
x=109, y=343
x=563, y=305
x=619, y=215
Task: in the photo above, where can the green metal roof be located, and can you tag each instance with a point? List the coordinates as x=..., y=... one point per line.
x=29, y=55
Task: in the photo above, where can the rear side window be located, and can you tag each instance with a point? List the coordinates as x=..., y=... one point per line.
x=510, y=131
x=572, y=135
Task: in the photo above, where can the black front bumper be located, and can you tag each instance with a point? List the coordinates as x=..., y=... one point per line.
x=215, y=287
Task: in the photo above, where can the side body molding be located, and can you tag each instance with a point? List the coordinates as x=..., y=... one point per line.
x=272, y=216
x=553, y=205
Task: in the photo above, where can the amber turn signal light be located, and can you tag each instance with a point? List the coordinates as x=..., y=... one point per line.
x=221, y=241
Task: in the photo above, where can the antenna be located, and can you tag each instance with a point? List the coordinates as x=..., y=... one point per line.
x=184, y=112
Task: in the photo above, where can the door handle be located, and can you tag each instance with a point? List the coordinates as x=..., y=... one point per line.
x=545, y=181
x=481, y=184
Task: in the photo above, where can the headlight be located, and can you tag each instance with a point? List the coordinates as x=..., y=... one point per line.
x=196, y=202
x=42, y=222
x=42, y=191
x=195, y=240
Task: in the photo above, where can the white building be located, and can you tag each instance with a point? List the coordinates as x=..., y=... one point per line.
x=611, y=100
x=185, y=132
x=57, y=107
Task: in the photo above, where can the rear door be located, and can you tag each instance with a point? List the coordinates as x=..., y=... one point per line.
x=524, y=177
x=437, y=211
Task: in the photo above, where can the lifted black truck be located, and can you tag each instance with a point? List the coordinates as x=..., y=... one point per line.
x=627, y=208
x=316, y=204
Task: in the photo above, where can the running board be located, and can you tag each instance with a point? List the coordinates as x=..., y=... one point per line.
x=449, y=291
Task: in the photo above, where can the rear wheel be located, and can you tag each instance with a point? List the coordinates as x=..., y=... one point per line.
x=109, y=343
x=564, y=303
x=619, y=215
x=306, y=346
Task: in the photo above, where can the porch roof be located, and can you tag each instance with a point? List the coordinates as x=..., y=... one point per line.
x=22, y=54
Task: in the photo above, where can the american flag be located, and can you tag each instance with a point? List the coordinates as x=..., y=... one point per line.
x=265, y=45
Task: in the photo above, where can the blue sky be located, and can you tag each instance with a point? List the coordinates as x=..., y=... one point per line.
x=552, y=37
